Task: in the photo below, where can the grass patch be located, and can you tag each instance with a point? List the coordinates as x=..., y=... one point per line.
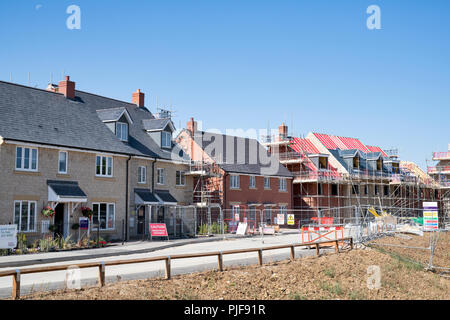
x=334, y=289
x=298, y=296
x=330, y=272
x=402, y=260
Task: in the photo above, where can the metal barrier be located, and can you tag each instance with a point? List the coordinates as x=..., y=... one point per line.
x=16, y=274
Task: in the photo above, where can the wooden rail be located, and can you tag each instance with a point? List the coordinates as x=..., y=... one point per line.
x=16, y=274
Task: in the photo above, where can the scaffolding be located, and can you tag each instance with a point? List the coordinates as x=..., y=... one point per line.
x=402, y=189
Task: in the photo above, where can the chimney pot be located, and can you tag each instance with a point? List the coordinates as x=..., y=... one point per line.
x=67, y=88
x=192, y=126
x=138, y=98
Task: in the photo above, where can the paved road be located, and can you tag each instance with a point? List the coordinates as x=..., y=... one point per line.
x=55, y=280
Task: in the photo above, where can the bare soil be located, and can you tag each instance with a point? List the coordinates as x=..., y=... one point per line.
x=330, y=276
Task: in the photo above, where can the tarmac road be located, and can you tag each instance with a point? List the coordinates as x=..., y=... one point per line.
x=89, y=277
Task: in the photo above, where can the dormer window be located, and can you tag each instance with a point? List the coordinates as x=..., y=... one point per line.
x=122, y=131
x=166, y=139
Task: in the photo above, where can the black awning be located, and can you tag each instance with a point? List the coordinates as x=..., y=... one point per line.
x=165, y=196
x=145, y=196
x=66, y=189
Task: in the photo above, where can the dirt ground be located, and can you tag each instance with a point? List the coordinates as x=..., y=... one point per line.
x=330, y=276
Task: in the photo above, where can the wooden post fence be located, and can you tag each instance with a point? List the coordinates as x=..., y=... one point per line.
x=16, y=274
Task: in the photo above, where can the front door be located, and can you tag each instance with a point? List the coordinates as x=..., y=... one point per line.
x=59, y=220
x=141, y=220
x=160, y=217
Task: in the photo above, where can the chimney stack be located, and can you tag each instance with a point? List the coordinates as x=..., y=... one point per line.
x=192, y=126
x=138, y=98
x=67, y=88
x=282, y=131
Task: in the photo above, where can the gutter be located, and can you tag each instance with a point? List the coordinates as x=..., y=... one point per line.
x=127, y=178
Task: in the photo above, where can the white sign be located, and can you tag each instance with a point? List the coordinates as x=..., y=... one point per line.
x=8, y=236
x=280, y=218
x=242, y=229
x=430, y=216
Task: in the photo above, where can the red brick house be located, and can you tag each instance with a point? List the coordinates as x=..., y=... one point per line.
x=236, y=173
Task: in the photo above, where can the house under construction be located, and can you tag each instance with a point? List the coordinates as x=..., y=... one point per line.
x=335, y=173
x=441, y=174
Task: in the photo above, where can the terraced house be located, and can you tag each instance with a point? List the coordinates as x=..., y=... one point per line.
x=68, y=149
x=237, y=174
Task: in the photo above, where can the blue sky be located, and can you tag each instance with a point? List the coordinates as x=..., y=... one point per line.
x=249, y=64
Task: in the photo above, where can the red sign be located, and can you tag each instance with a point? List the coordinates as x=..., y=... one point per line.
x=158, y=229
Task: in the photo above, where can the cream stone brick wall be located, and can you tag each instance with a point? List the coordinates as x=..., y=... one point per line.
x=17, y=185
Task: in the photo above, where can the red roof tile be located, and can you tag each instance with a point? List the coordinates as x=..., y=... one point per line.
x=335, y=142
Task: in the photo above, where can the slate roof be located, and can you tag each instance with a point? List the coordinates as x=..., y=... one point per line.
x=45, y=117
x=67, y=189
x=155, y=124
x=240, y=155
x=112, y=114
x=165, y=196
x=146, y=195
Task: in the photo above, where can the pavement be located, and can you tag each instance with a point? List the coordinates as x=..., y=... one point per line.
x=114, y=250
x=47, y=281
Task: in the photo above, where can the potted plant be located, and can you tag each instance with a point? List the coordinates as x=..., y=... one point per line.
x=48, y=212
x=87, y=212
x=75, y=226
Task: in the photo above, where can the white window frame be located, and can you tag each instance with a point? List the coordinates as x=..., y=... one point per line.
x=181, y=181
x=28, y=215
x=266, y=186
x=252, y=182
x=235, y=181
x=123, y=133
x=142, y=174
x=160, y=176
x=166, y=139
x=94, y=227
x=282, y=184
x=101, y=166
x=59, y=161
x=30, y=159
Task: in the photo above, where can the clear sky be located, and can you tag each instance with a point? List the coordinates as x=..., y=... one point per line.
x=248, y=64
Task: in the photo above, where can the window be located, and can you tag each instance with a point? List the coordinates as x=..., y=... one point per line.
x=25, y=215
x=180, y=178
x=386, y=190
x=283, y=185
x=62, y=162
x=266, y=183
x=334, y=189
x=160, y=176
x=366, y=189
x=122, y=131
x=268, y=215
x=235, y=182
x=26, y=159
x=142, y=174
x=319, y=189
x=356, y=162
x=379, y=164
x=355, y=189
x=252, y=182
x=283, y=210
x=376, y=190
x=104, y=213
x=104, y=166
x=166, y=139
